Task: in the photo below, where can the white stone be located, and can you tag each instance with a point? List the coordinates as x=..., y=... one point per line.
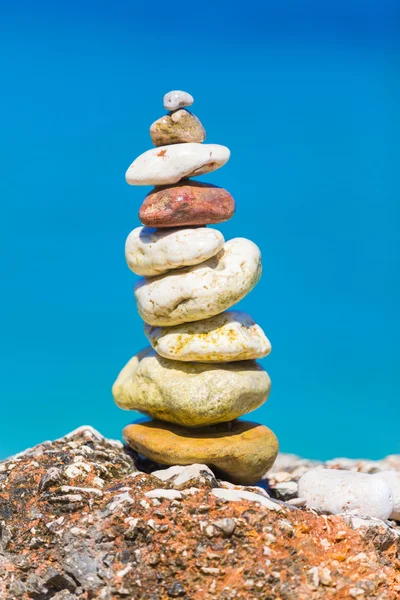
x=226, y=337
x=201, y=291
x=335, y=491
x=177, y=99
x=164, y=494
x=238, y=495
x=169, y=164
x=392, y=478
x=182, y=474
x=152, y=252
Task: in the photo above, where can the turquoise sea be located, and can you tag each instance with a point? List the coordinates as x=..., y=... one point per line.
x=306, y=96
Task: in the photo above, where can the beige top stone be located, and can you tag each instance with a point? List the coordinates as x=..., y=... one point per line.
x=151, y=252
x=170, y=164
x=201, y=291
x=179, y=127
x=189, y=393
x=229, y=336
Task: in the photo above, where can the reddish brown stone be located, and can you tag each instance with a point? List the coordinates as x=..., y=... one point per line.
x=189, y=203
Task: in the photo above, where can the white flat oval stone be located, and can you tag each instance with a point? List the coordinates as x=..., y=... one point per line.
x=151, y=252
x=335, y=491
x=201, y=291
x=226, y=337
x=170, y=164
x=177, y=99
x=392, y=478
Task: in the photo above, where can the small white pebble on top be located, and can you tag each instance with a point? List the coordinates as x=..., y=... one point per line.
x=177, y=99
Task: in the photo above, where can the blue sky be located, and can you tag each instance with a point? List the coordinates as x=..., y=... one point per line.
x=307, y=100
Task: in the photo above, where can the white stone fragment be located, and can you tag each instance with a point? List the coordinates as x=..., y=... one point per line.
x=151, y=252
x=237, y=495
x=182, y=474
x=229, y=336
x=66, y=489
x=392, y=478
x=201, y=291
x=164, y=494
x=336, y=491
x=177, y=99
x=86, y=431
x=118, y=502
x=169, y=164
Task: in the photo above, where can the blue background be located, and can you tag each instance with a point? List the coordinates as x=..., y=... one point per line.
x=306, y=95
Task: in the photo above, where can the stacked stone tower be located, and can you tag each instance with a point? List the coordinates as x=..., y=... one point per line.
x=200, y=373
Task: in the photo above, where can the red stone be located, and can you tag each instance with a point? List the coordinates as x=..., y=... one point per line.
x=186, y=204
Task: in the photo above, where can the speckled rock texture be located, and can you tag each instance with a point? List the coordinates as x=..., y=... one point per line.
x=152, y=252
x=80, y=521
x=170, y=164
x=186, y=203
x=203, y=290
x=240, y=450
x=229, y=336
x=190, y=394
x=177, y=128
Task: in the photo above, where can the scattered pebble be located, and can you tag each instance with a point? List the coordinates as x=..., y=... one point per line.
x=237, y=495
x=392, y=478
x=335, y=491
x=164, y=494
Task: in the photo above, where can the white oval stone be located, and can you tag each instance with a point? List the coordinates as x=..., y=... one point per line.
x=226, y=337
x=334, y=491
x=201, y=291
x=392, y=478
x=170, y=164
x=151, y=252
x=177, y=99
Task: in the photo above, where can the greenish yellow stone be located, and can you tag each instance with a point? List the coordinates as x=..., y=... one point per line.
x=241, y=450
x=176, y=128
x=189, y=393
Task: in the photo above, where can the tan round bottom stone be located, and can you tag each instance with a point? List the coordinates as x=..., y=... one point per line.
x=242, y=450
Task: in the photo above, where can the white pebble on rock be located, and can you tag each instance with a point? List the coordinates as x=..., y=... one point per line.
x=236, y=495
x=392, y=478
x=177, y=99
x=180, y=475
x=335, y=491
x=169, y=164
x=151, y=252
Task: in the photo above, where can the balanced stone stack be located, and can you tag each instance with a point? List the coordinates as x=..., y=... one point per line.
x=200, y=373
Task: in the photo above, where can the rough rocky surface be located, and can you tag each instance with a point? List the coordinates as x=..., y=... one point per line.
x=78, y=520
